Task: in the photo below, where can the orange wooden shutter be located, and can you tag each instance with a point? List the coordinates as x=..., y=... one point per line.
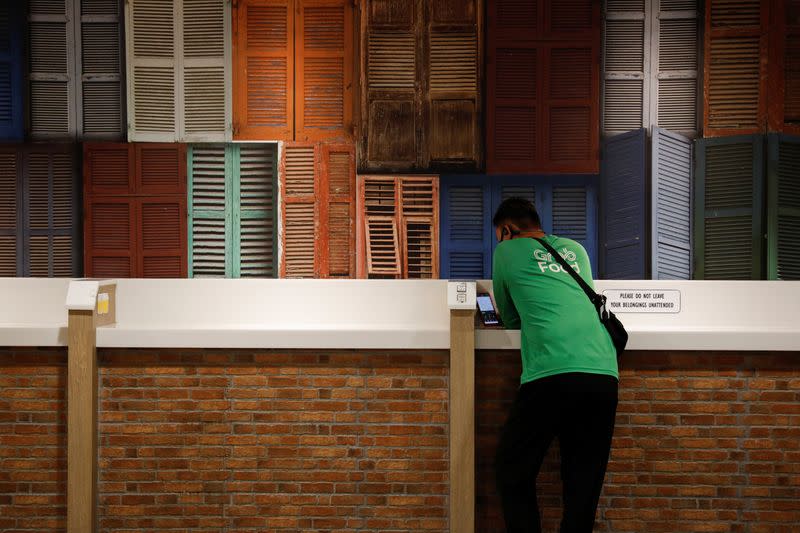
x=263, y=74
x=377, y=227
x=324, y=70
x=383, y=246
x=337, y=211
x=735, y=67
x=419, y=197
x=298, y=210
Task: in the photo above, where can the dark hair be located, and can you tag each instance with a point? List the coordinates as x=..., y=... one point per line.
x=518, y=211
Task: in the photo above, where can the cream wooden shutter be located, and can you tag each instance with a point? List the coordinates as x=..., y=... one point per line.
x=151, y=31
x=99, y=63
x=205, y=97
x=51, y=39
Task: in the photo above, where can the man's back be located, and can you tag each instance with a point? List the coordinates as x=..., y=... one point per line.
x=560, y=328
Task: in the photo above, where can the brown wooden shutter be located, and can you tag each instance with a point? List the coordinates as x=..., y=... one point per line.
x=298, y=210
x=419, y=198
x=392, y=97
x=735, y=67
x=9, y=213
x=263, y=77
x=161, y=243
x=109, y=237
x=324, y=70
x=337, y=211
x=784, y=67
x=160, y=168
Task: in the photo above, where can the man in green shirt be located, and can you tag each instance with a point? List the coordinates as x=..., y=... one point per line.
x=569, y=377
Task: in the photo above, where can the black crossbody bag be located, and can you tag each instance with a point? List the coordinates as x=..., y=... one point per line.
x=609, y=320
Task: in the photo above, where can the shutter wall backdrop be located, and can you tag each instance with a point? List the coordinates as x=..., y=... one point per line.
x=728, y=222
x=178, y=70
x=135, y=210
x=318, y=183
x=294, y=75
x=11, y=64
x=398, y=227
x=39, y=211
x=650, y=66
x=75, y=76
x=783, y=207
x=567, y=206
x=421, y=73
x=232, y=215
x=543, y=101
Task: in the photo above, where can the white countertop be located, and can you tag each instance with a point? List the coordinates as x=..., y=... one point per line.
x=360, y=314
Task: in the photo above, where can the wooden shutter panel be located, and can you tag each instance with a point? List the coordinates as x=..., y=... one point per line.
x=209, y=211
x=735, y=67
x=206, y=71
x=454, y=99
x=10, y=213
x=160, y=169
x=623, y=206
x=784, y=207
x=728, y=225
x=324, y=69
x=263, y=78
x=383, y=246
x=110, y=237
x=298, y=210
x=11, y=61
x=674, y=78
x=109, y=168
x=626, y=66
x=152, y=68
x=255, y=178
x=672, y=206
x=52, y=69
x=393, y=93
x=466, y=243
x=784, y=67
x=419, y=198
x=101, y=96
x=337, y=211
x=162, y=237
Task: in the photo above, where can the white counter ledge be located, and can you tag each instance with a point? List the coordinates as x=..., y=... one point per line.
x=359, y=314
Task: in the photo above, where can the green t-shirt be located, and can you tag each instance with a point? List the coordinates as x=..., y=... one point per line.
x=559, y=325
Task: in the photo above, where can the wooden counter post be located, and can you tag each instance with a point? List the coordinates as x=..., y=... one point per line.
x=90, y=304
x=462, y=407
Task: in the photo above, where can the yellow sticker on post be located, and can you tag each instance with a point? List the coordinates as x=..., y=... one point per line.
x=102, y=303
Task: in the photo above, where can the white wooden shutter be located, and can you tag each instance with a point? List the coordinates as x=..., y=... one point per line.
x=99, y=56
x=51, y=40
x=674, y=78
x=626, y=65
x=206, y=58
x=151, y=31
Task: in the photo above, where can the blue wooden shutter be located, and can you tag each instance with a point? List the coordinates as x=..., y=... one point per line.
x=672, y=205
x=11, y=101
x=505, y=187
x=209, y=210
x=728, y=225
x=574, y=215
x=255, y=172
x=783, y=207
x=466, y=227
x=623, y=206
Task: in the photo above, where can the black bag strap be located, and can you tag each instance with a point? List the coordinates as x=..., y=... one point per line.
x=597, y=300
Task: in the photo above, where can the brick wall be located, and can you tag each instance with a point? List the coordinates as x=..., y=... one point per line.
x=349, y=441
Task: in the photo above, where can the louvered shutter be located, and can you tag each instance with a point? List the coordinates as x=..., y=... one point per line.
x=626, y=65
x=209, y=211
x=783, y=207
x=11, y=100
x=101, y=96
x=466, y=236
x=623, y=207
x=735, y=73
x=377, y=227
x=52, y=68
x=263, y=77
x=393, y=93
x=337, y=211
x=535, y=189
x=784, y=67
x=671, y=205
x=574, y=216
x=728, y=225
x=160, y=169
x=324, y=69
x=10, y=214
x=298, y=210
x=419, y=197
x=254, y=215
x=454, y=99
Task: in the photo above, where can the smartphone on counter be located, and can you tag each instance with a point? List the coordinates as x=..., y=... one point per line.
x=486, y=308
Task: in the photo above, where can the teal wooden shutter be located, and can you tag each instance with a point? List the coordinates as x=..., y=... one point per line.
x=783, y=207
x=728, y=225
x=254, y=210
x=466, y=242
x=672, y=206
x=209, y=211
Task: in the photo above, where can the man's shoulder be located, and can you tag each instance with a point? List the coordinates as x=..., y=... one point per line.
x=569, y=244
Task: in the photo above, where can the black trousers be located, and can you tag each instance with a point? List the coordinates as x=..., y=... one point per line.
x=577, y=408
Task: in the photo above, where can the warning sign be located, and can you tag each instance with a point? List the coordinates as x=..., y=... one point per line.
x=643, y=301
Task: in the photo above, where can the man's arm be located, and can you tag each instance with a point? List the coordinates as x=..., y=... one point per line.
x=505, y=305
